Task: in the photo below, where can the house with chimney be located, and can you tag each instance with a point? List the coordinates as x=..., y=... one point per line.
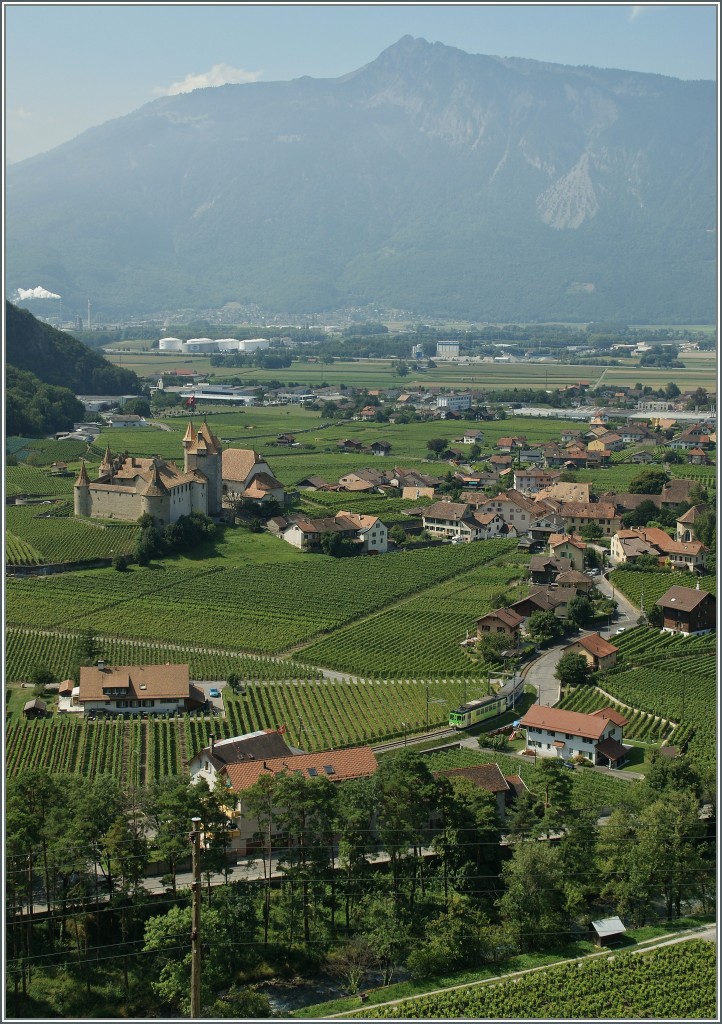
x=688, y=611
x=136, y=689
x=337, y=766
x=368, y=532
x=500, y=622
x=264, y=744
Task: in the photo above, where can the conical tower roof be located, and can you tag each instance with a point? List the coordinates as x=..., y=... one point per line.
x=157, y=487
x=190, y=434
x=107, y=458
x=211, y=440
x=83, y=480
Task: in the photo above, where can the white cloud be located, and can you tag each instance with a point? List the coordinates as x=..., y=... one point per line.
x=21, y=113
x=36, y=293
x=219, y=74
x=636, y=11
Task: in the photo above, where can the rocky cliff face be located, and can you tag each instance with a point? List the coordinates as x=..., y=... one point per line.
x=431, y=179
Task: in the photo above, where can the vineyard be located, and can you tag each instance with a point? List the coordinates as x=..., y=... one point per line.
x=267, y=609
x=53, y=535
x=389, y=510
x=422, y=636
x=318, y=715
x=671, y=676
x=26, y=649
x=640, y=725
x=673, y=982
x=590, y=790
x=37, y=483
x=655, y=584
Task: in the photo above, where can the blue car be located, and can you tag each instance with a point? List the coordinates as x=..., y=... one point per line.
x=214, y=692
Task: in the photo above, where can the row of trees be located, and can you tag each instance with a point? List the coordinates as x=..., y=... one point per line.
x=444, y=895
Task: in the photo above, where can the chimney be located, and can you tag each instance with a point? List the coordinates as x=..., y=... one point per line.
x=211, y=742
x=101, y=666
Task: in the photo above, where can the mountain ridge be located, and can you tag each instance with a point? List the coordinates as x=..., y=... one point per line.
x=430, y=179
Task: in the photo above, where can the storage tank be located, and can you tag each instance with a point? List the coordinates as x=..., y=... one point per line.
x=201, y=345
x=170, y=345
x=228, y=344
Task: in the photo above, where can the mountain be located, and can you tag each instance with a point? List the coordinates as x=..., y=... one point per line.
x=58, y=359
x=431, y=180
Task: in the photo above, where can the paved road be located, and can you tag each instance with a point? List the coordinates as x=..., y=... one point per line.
x=540, y=675
x=627, y=613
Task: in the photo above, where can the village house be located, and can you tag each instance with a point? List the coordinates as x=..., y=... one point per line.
x=531, y=481
x=560, y=490
x=543, y=599
x=134, y=689
x=502, y=621
x=685, y=523
x=460, y=521
x=697, y=457
x=571, y=547
x=368, y=532
x=472, y=437
x=627, y=545
x=335, y=765
x=208, y=762
x=380, y=447
x=546, y=568
x=687, y=611
x=598, y=652
x=554, y=732
x=577, y=514
x=246, y=475
x=504, y=788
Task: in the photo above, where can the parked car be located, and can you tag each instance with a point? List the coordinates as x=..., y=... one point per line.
x=214, y=692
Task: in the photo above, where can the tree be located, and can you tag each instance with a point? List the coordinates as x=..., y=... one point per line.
x=672, y=391
x=398, y=534
x=573, y=670
x=492, y=645
x=544, y=626
x=235, y=683
x=649, y=481
x=437, y=445
x=88, y=648
x=643, y=514
x=120, y=563
x=580, y=612
x=41, y=676
x=338, y=546
x=591, y=530
x=352, y=961
x=137, y=407
x=535, y=900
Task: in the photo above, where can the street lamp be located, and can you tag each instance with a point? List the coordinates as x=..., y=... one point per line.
x=404, y=726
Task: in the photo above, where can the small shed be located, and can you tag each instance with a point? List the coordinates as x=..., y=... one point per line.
x=35, y=708
x=608, y=931
x=66, y=688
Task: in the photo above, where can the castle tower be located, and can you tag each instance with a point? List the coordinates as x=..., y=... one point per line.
x=106, y=466
x=81, y=493
x=190, y=436
x=203, y=453
x=156, y=500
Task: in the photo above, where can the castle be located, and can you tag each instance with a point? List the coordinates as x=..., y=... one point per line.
x=128, y=487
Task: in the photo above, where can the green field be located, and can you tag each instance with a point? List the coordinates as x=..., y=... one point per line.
x=270, y=608
x=675, y=982
x=379, y=373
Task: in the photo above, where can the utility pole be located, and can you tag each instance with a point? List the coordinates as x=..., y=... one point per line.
x=196, y=922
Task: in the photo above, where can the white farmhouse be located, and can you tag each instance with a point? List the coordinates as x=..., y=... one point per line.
x=554, y=732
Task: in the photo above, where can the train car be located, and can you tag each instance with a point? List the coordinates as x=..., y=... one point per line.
x=478, y=711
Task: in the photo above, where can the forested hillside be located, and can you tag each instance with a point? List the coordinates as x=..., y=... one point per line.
x=45, y=369
x=57, y=358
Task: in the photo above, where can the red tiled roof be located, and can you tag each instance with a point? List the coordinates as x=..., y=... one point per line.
x=488, y=776
x=559, y=720
x=596, y=645
x=506, y=615
x=612, y=715
x=353, y=763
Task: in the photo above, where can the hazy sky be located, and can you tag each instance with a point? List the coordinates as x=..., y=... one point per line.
x=69, y=67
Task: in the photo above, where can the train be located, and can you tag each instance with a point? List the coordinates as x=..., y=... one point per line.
x=479, y=710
